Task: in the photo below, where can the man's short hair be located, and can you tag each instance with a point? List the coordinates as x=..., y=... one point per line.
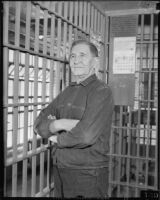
x=92, y=47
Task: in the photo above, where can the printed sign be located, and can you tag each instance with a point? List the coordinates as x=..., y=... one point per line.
x=124, y=55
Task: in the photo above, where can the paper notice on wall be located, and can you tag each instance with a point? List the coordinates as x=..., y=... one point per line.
x=124, y=55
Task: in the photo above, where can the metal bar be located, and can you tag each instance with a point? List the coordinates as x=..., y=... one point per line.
x=156, y=155
x=70, y=34
x=58, y=66
x=134, y=157
x=139, y=106
x=128, y=169
x=92, y=17
x=52, y=30
x=23, y=104
x=119, y=149
x=132, y=185
x=49, y=161
x=95, y=21
x=98, y=23
x=14, y=47
x=43, y=92
x=80, y=14
x=138, y=11
x=103, y=29
x=88, y=16
x=64, y=45
x=34, y=144
x=70, y=26
x=25, y=138
x=84, y=15
x=106, y=57
x=149, y=97
x=5, y=81
x=110, y=159
x=15, y=99
x=65, y=29
x=75, y=18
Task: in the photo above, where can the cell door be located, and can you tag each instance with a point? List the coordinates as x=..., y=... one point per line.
x=134, y=138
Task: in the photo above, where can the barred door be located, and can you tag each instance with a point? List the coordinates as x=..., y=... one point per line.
x=134, y=138
x=37, y=39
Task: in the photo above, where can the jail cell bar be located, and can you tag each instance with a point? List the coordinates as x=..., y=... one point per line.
x=134, y=143
x=37, y=40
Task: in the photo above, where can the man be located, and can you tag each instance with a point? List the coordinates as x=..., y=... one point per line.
x=78, y=121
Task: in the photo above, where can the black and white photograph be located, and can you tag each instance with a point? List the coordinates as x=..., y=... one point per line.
x=80, y=99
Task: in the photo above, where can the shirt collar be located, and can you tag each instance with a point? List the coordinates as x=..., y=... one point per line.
x=86, y=81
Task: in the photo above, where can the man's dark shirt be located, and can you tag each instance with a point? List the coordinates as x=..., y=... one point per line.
x=87, y=144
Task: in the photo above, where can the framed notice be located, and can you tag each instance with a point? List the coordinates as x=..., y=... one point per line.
x=124, y=55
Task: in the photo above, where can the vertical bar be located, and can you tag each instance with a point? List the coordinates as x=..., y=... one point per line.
x=64, y=45
x=25, y=138
x=139, y=107
x=103, y=28
x=88, y=16
x=34, y=144
x=65, y=28
x=15, y=100
x=119, y=149
x=5, y=81
x=106, y=57
x=84, y=15
x=129, y=150
x=157, y=138
x=111, y=160
x=98, y=23
x=58, y=68
x=95, y=21
x=92, y=17
x=75, y=18
x=49, y=162
x=149, y=97
x=70, y=31
x=80, y=14
x=43, y=92
x=156, y=153
x=52, y=29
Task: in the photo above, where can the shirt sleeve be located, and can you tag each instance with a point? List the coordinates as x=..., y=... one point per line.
x=42, y=122
x=94, y=121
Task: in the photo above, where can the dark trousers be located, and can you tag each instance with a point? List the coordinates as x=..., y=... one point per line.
x=80, y=183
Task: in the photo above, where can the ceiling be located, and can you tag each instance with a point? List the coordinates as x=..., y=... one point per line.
x=123, y=5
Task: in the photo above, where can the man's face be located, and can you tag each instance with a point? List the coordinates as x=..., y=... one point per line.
x=81, y=60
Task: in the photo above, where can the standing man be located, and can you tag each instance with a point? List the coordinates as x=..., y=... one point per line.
x=79, y=121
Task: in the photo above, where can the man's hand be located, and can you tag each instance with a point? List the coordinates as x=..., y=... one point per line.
x=53, y=138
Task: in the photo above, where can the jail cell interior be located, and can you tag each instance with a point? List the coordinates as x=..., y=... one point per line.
x=37, y=37
x=37, y=40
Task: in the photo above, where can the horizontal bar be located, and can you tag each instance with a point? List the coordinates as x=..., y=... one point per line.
x=131, y=185
x=29, y=154
x=131, y=157
x=147, y=42
x=34, y=53
x=24, y=104
x=138, y=11
x=122, y=127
